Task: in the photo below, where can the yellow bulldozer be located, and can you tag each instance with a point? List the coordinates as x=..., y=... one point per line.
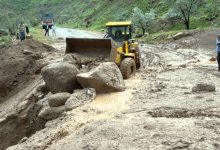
x=117, y=45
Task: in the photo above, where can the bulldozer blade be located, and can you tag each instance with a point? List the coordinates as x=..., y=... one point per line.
x=90, y=47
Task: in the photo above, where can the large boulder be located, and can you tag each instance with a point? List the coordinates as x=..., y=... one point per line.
x=80, y=98
x=203, y=87
x=58, y=99
x=104, y=78
x=60, y=77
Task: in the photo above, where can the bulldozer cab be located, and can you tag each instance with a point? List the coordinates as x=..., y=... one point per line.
x=119, y=31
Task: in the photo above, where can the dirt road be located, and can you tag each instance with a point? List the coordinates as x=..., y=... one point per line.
x=158, y=110
x=66, y=32
x=62, y=33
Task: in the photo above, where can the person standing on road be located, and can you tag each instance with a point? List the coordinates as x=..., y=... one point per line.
x=54, y=30
x=22, y=31
x=218, y=51
x=47, y=30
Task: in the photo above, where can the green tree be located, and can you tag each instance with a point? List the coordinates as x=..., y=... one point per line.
x=212, y=9
x=143, y=20
x=183, y=10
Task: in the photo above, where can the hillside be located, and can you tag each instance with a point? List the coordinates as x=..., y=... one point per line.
x=93, y=13
x=77, y=13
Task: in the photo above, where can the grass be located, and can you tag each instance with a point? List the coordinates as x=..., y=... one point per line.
x=158, y=37
x=5, y=40
x=161, y=37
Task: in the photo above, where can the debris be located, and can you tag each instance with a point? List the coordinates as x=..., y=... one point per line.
x=17, y=68
x=27, y=52
x=203, y=87
x=79, y=98
x=72, y=60
x=181, y=35
x=212, y=59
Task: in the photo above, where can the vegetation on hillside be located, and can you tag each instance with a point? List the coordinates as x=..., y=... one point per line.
x=93, y=14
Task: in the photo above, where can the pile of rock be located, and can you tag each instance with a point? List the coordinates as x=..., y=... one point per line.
x=55, y=104
x=70, y=89
x=65, y=77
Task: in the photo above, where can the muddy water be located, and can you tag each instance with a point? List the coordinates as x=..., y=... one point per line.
x=117, y=102
x=113, y=102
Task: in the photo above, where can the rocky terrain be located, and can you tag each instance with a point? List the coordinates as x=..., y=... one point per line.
x=171, y=103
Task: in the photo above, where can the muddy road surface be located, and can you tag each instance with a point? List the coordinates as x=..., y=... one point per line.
x=65, y=32
x=171, y=103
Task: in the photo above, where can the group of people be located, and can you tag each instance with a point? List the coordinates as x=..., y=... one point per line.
x=23, y=30
x=47, y=30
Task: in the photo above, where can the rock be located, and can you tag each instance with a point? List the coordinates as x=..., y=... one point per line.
x=187, y=93
x=58, y=99
x=60, y=77
x=51, y=112
x=43, y=103
x=60, y=38
x=182, y=66
x=40, y=66
x=104, y=78
x=157, y=87
x=42, y=88
x=27, y=52
x=29, y=36
x=37, y=56
x=68, y=58
x=23, y=139
x=212, y=59
x=180, y=35
x=79, y=98
x=170, y=37
x=72, y=60
x=203, y=87
x=210, y=100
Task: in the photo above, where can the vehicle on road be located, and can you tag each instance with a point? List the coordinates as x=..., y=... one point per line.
x=117, y=45
x=47, y=19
